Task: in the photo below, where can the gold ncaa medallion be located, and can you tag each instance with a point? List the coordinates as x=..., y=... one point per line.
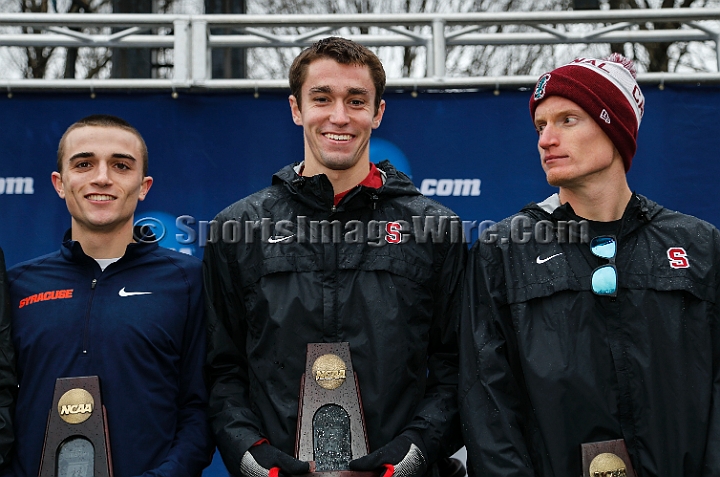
x=76, y=406
x=607, y=465
x=329, y=371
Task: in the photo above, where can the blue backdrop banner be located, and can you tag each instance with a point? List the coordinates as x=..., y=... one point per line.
x=475, y=152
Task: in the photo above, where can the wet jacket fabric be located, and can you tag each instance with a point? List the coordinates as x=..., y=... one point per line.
x=547, y=365
x=8, y=380
x=271, y=293
x=139, y=326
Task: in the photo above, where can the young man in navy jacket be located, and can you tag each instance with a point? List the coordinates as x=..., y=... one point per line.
x=112, y=303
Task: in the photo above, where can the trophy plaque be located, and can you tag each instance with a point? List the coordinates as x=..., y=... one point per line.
x=606, y=459
x=331, y=425
x=76, y=438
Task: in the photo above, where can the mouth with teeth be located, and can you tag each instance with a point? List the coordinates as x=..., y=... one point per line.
x=338, y=137
x=99, y=197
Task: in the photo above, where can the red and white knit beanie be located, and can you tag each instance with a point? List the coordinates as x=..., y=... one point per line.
x=606, y=90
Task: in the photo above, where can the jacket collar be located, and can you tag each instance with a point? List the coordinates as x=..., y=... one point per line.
x=146, y=242
x=639, y=211
x=317, y=191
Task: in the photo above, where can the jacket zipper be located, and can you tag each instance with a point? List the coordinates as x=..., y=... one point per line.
x=86, y=332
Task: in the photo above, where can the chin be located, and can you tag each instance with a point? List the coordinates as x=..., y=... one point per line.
x=556, y=179
x=338, y=164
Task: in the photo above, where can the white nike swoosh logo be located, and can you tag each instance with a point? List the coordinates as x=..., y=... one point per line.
x=543, y=260
x=279, y=239
x=122, y=292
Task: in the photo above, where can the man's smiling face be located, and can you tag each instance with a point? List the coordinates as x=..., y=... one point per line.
x=338, y=115
x=101, y=179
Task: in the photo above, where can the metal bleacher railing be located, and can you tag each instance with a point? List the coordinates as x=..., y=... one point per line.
x=191, y=39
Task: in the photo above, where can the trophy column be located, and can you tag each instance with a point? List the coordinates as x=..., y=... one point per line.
x=331, y=425
x=606, y=459
x=76, y=438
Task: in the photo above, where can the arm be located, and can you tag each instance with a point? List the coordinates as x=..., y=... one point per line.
x=8, y=379
x=192, y=446
x=234, y=424
x=434, y=430
x=437, y=419
x=489, y=394
x=712, y=447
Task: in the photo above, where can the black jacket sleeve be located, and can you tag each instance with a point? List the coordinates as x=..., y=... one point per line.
x=234, y=424
x=437, y=418
x=491, y=408
x=8, y=379
x=712, y=450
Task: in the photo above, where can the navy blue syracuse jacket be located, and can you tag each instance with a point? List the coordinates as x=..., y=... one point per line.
x=138, y=326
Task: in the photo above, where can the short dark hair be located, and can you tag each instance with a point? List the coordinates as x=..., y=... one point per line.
x=345, y=52
x=103, y=121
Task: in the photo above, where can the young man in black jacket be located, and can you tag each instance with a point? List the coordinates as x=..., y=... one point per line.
x=8, y=379
x=366, y=279
x=592, y=316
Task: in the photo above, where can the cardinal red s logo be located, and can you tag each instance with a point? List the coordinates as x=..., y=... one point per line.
x=678, y=257
x=394, y=232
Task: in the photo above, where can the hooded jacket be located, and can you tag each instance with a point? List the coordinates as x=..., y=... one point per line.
x=278, y=277
x=8, y=379
x=547, y=365
x=138, y=325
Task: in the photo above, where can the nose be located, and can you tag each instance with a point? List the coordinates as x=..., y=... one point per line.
x=548, y=137
x=339, y=114
x=102, y=174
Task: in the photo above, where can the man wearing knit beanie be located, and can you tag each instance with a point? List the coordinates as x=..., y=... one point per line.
x=591, y=320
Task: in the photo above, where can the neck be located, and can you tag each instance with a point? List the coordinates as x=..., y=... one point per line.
x=341, y=180
x=103, y=244
x=601, y=202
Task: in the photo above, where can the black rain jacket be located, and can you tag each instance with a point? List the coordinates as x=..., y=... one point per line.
x=275, y=290
x=547, y=365
x=8, y=378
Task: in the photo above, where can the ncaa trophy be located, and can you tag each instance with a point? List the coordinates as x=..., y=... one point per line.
x=76, y=439
x=331, y=425
x=606, y=459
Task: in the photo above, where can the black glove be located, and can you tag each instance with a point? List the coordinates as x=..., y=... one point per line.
x=401, y=457
x=265, y=460
x=451, y=467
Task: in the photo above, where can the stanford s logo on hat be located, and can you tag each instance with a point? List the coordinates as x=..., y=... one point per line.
x=540, y=87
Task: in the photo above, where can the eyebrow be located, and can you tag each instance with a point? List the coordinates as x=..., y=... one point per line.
x=117, y=155
x=328, y=89
x=321, y=89
x=562, y=112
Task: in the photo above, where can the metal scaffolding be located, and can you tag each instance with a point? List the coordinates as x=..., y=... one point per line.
x=190, y=38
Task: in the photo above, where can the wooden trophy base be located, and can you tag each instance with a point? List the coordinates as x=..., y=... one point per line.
x=339, y=473
x=606, y=459
x=331, y=425
x=76, y=438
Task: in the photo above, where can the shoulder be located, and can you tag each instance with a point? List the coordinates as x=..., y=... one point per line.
x=165, y=268
x=48, y=261
x=518, y=240
x=669, y=228
x=670, y=218
x=181, y=262
x=429, y=206
x=254, y=204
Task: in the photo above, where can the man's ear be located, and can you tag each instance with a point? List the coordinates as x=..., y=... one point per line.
x=145, y=187
x=57, y=183
x=379, y=115
x=295, y=110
